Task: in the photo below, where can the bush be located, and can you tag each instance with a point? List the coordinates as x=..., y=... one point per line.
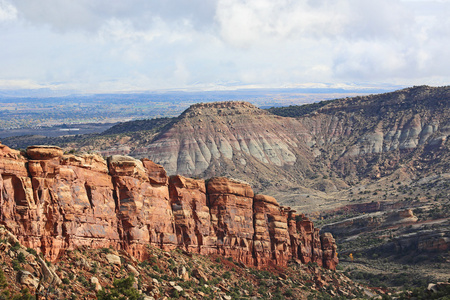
x=94, y=268
x=16, y=265
x=289, y=293
x=21, y=257
x=32, y=251
x=122, y=289
x=83, y=281
x=226, y=275
x=153, y=259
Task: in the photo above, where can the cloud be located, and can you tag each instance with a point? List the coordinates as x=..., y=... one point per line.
x=244, y=23
x=143, y=44
x=7, y=11
x=68, y=15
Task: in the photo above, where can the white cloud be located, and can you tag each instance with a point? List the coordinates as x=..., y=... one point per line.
x=7, y=11
x=145, y=44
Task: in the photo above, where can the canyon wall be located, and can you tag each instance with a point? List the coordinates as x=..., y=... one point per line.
x=54, y=202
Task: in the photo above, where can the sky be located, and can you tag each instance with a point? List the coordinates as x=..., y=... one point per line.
x=143, y=45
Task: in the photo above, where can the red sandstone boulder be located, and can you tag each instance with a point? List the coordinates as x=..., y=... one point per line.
x=44, y=152
x=156, y=173
x=222, y=185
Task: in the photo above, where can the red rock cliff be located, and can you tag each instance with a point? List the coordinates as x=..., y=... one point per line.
x=54, y=202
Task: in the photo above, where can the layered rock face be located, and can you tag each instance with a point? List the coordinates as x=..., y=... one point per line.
x=54, y=202
x=231, y=209
x=272, y=241
x=235, y=131
x=143, y=205
x=239, y=139
x=192, y=215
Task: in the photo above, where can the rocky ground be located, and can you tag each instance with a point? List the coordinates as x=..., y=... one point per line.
x=85, y=273
x=397, y=231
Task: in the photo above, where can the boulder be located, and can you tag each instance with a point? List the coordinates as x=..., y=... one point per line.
x=96, y=283
x=44, y=152
x=113, y=259
x=28, y=279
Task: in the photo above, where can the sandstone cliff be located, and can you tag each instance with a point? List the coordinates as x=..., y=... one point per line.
x=54, y=202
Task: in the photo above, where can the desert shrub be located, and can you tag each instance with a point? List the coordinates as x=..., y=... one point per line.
x=226, y=275
x=121, y=289
x=16, y=265
x=21, y=257
x=15, y=247
x=32, y=251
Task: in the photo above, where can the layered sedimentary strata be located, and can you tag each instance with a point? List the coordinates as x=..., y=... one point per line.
x=271, y=240
x=54, y=202
x=192, y=215
x=231, y=209
x=143, y=207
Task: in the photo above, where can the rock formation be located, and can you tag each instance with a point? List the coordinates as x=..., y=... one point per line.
x=192, y=216
x=54, y=202
x=231, y=208
x=272, y=241
x=143, y=207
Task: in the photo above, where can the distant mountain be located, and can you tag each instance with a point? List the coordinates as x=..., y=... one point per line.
x=340, y=141
x=347, y=139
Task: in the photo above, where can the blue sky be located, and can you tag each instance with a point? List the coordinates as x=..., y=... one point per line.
x=138, y=45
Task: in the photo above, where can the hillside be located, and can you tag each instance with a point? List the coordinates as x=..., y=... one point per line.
x=87, y=273
x=82, y=226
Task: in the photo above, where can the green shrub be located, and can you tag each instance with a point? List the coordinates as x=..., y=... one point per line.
x=16, y=265
x=226, y=275
x=122, y=289
x=106, y=250
x=21, y=257
x=288, y=293
x=32, y=251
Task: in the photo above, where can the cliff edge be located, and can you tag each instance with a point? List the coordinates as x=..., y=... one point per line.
x=54, y=202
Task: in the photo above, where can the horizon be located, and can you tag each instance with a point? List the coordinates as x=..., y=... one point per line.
x=300, y=90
